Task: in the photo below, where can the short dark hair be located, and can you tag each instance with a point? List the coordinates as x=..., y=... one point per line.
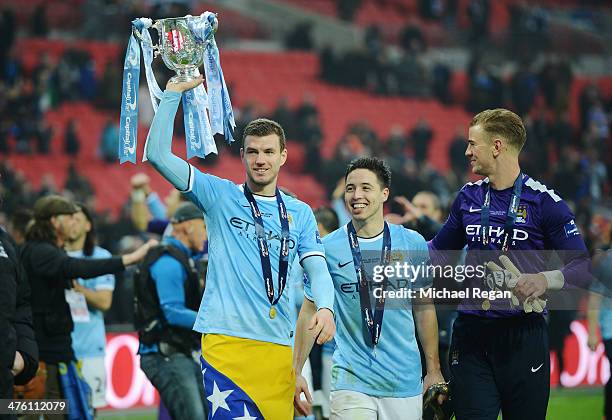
x=264, y=127
x=20, y=220
x=40, y=228
x=374, y=164
x=41, y=231
x=502, y=122
x=327, y=217
x=435, y=200
x=53, y=205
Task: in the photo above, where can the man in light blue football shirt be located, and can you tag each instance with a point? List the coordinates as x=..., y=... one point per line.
x=255, y=233
x=376, y=371
x=89, y=338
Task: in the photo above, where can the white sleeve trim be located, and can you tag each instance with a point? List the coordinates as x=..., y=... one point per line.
x=310, y=254
x=309, y=296
x=555, y=279
x=191, y=178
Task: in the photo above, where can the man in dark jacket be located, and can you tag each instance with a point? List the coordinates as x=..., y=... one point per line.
x=50, y=271
x=18, y=349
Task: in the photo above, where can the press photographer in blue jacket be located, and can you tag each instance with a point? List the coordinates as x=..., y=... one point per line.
x=168, y=293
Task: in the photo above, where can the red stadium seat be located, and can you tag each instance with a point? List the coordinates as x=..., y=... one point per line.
x=260, y=78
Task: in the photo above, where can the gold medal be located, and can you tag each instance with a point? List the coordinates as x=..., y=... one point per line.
x=272, y=312
x=486, y=304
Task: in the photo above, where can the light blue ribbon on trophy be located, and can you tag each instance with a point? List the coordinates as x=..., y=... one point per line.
x=200, y=127
x=219, y=103
x=147, y=51
x=198, y=135
x=228, y=120
x=128, y=125
x=155, y=93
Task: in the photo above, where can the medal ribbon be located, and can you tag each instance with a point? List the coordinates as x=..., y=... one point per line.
x=510, y=216
x=262, y=245
x=372, y=321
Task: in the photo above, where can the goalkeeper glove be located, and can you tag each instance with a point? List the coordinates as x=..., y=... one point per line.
x=509, y=276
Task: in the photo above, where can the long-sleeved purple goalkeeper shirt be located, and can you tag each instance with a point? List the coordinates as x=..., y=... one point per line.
x=544, y=223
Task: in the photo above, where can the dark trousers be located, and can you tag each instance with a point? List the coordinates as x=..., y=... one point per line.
x=53, y=389
x=608, y=388
x=316, y=365
x=500, y=364
x=178, y=380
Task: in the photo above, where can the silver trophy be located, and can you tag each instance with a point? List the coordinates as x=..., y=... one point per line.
x=179, y=48
x=185, y=43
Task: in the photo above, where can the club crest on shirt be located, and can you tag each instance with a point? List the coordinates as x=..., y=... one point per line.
x=521, y=214
x=571, y=229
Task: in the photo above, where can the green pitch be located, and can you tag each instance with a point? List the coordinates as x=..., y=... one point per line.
x=583, y=404
x=129, y=415
x=586, y=404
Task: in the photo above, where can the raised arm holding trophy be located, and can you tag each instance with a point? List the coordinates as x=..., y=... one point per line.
x=185, y=43
x=256, y=234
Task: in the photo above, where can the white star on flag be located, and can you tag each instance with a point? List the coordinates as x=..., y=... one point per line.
x=247, y=415
x=218, y=398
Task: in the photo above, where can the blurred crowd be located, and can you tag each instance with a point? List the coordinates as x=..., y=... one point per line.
x=391, y=61
x=572, y=158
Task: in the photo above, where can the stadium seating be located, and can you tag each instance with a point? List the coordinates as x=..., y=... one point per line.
x=266, y=77
x=391, y=16
x=59, y=14
x=234, y=24
x=262, y=78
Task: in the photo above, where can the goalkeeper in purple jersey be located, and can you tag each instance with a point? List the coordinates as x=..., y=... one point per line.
x=499, y=358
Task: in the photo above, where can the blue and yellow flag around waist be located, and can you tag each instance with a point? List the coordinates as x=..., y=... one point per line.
x=247, y=379
x=76, y=390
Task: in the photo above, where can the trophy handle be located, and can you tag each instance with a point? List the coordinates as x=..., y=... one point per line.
x=140, y=38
